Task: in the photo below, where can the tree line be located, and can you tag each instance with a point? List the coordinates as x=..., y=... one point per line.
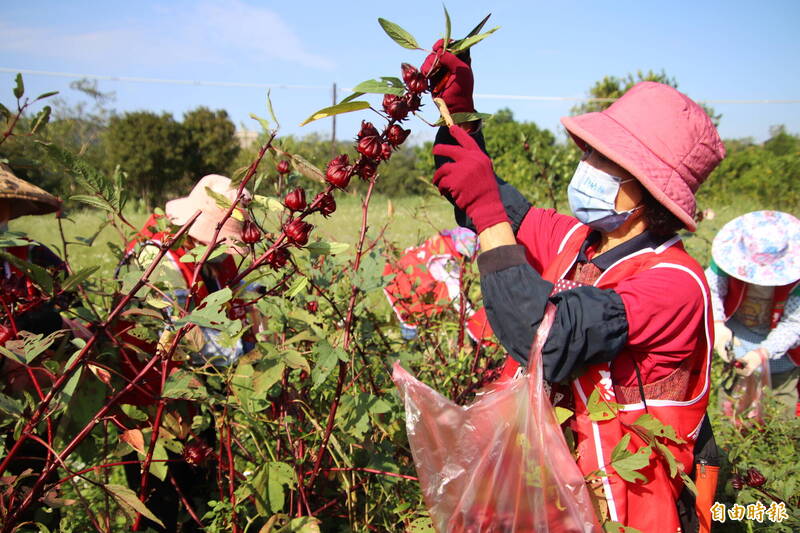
x=161, y=157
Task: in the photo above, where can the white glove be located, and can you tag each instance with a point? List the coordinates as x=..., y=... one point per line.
x=722, y=338
x=752, y=360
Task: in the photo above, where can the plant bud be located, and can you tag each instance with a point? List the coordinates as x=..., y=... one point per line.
x=737, y=482
x=277, y=258
x=326, y=205
x=370, y=146
x=367, y=129
x=282, y=167
x=366, y=168
x=526, y=146
x=414, y=79
x=755, y=478
x=413, y=101
x=297, y=232
x=312, y=307
x=339, y=172
x=250, y=232
x=395, y=106
x=396, y=135
x=296, y=200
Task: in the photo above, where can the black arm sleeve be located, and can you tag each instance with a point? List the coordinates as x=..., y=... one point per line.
x=590, y=325
x=515, y=204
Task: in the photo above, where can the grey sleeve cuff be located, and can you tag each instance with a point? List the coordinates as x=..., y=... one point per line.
x=501, y=258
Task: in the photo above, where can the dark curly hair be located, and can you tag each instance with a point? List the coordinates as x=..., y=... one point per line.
x=659, y=219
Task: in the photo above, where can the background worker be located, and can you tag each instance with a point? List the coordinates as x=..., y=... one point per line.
x=633, y=318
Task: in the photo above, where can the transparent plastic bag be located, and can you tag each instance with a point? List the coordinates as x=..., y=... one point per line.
x=500, y=464
x=740, y=396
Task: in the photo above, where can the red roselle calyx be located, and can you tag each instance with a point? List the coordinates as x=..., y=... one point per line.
x=413, y=101
x=754, y=478
x=250, y=232
x=312, y=307
x=327, y=204
x=277, y=258
x=282, y=167
x=296, y=200
x=415, y=81
x=339, y=171
x=370, y=146
x=386, y=151
x=395, y=106
x=297, y=232
x=196, y=452
x=367, y=129
x=366, y=168
x=737, y=482
x=396, y=135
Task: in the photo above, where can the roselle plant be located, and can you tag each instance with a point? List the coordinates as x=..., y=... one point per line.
x=302, y=432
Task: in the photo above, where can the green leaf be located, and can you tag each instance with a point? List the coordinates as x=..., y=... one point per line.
x=264, y=122
x=272, y=111
x=268, y=202
x=41, y=119
x=354, y=413
x=211, y=312
x=475, y=30
x=618, y=527
x=352, y=97
x=29, y=346
x=46, y=95
x=303, y=524
x=562, y=414
x=337, y=109
x=621, y=449
x=470, y=41
x=40, y=276
x=5, y=112
x=318, y=248
x=183, y=384
x=297, y=287
x=268, y=486
x=628, y=464
x=93, y=201
x=656, y=428
x=325, y=359
x=668, y=456
x=447, y=28
x=307, y=169
x=9, y=239
x=10, y=406
x=370, y=273
x=398, y=34
x=382, y=86
x=19, y=89
x=129, y=502
x=600, y=409
x=294, y=359
x=459, y=118
x=78, y=277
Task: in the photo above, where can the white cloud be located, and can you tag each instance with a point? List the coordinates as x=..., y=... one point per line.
x=206, y=32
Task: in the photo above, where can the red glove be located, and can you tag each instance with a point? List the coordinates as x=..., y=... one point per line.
x=469, y=180
x=452, y=78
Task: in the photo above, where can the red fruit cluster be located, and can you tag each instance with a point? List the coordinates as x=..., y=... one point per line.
x=282, y=167
x=296, y=200
x=366, y=168
x=339, y=171
x=326, y=205
x=196, y=452
x=250, y=232
x=297, y=232
x=395, y=106
x=415, y=81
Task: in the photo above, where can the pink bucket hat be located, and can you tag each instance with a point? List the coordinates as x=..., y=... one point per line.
x=762, y=247
x=180, y=210
x=659, y=135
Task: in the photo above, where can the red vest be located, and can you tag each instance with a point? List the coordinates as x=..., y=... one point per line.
x=736, y=293
x=648, y=506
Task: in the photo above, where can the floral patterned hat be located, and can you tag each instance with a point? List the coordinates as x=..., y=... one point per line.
x=762, y=247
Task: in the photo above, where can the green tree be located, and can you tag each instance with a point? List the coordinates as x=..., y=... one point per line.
x=612, y=87
x=151, y=149
x=212, y=143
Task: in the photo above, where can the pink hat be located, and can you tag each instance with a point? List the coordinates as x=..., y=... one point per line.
x=180, y=210
x=659, y=135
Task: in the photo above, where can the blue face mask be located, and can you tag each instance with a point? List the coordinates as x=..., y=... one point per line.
x=592, y=196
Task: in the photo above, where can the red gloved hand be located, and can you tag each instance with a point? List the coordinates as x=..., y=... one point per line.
x=469, y=180
x=452, y=77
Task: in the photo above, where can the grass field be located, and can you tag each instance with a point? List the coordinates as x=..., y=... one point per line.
x=409, y=221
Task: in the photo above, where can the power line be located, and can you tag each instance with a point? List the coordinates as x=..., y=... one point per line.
x=166, y=81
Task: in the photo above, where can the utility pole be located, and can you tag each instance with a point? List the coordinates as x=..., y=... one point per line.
x=333, y=132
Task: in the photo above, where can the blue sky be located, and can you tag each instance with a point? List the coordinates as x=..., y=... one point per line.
x=717, y=50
